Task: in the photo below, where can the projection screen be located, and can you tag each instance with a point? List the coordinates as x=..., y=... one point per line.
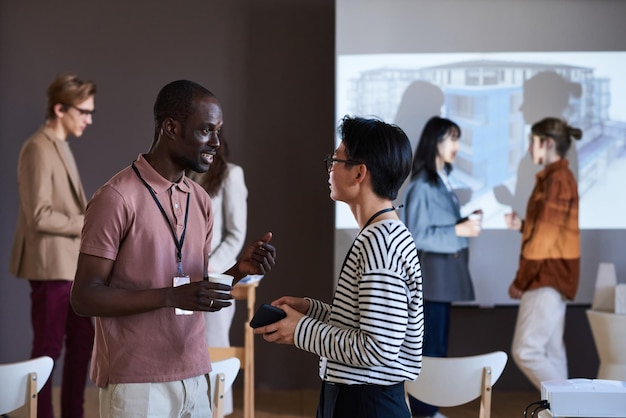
x=495, y=68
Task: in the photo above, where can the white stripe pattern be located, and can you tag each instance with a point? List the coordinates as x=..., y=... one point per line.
x=372, y=333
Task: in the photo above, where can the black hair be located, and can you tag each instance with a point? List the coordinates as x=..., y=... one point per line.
x=434, y=132
x=175, y=100
x=382, y=147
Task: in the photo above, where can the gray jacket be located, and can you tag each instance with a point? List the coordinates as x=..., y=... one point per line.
x=431, y=213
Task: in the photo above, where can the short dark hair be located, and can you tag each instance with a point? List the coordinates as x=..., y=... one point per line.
x=425, y=158
x=175, y=100
x=382, y=147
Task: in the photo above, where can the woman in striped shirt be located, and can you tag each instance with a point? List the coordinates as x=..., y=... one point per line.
x=369, y=338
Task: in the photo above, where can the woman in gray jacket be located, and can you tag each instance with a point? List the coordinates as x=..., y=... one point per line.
x=433, y=215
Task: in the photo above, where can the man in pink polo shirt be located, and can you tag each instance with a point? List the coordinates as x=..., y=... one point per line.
x=147, y=228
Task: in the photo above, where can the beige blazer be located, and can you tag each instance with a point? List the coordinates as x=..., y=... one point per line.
x=52, y=210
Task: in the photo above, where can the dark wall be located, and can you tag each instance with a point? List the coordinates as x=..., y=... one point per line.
x=479, y=330
x=271, y=63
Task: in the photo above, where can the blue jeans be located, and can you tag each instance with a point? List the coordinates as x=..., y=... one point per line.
x=436, y=330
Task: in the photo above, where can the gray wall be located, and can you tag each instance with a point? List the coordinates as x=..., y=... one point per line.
x=271, y=64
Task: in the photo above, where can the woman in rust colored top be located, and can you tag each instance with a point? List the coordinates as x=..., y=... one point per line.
x=549, y=264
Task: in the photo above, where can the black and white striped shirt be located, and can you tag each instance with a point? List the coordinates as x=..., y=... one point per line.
x=372, y=333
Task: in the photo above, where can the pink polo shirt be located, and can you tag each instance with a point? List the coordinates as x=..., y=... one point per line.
x=123, y=223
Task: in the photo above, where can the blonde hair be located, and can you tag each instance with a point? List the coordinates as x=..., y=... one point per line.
x=68, y=90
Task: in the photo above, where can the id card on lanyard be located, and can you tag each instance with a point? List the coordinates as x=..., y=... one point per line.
x=180, y=278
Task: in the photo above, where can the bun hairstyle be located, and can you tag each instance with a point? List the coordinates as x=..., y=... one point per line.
x=559, y=131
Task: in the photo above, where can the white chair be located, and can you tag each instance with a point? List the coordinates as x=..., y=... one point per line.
x=609, y=334
x=452, y=381
x=21, y=382
x=222, y=377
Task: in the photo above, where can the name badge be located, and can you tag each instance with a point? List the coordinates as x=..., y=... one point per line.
x=180, y=280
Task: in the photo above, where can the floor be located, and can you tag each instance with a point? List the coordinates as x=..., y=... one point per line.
x=302, y=404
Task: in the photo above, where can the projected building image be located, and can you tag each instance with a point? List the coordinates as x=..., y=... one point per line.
x=494, y=101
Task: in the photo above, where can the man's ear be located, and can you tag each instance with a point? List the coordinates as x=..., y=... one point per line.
x=59, y=110
x=170, y=127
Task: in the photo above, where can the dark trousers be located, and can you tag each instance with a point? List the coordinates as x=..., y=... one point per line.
x=54, y=322
x=436, y=330
x=362, y=401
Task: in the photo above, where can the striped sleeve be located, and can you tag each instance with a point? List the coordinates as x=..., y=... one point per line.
x=318, y=310
x=374, y=331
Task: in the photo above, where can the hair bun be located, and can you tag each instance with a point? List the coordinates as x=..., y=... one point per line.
x=575, y=133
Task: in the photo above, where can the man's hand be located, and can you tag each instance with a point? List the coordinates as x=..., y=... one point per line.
x=201, y=296
x=257, y=258
x=92, y=294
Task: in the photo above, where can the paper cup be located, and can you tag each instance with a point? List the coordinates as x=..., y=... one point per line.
x=221, y=278
x=475, y=217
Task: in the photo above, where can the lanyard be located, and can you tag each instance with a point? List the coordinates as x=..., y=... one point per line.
x=177, y=242
x=376, y=215
x=369, y=221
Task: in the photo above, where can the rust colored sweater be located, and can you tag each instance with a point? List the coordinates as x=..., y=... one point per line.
x=550, y=254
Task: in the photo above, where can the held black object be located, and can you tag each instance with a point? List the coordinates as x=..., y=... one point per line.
x=265, y=315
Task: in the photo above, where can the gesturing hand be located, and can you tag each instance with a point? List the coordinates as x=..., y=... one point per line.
x=258, y=257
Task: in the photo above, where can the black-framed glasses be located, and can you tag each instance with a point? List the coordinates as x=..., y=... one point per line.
x=83, y=112
x=330, y=161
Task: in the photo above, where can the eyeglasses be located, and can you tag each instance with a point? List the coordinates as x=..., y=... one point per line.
x=84, y=112
x=330, y=161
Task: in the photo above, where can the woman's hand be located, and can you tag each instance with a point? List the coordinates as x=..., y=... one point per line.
x=299, y=304
x=468, y=228
x=283, y=331
x=515, y=293
x=513, y=221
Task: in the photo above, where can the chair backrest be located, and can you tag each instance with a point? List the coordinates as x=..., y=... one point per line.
x=21, y=382
x=222, y=376
x=451, y=381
